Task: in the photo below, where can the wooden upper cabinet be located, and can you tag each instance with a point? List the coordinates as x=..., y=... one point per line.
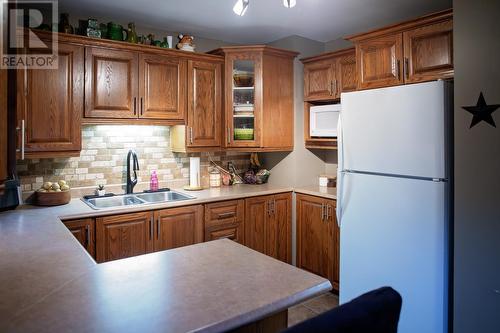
x=178, y=227
x=204, y=104
x=122, y=236
x=347, y=79
x=111, y=83
x=277, y=102
x=258, y=102
x=50, y=101
x=4, y=144
x=318, y=80
x=162, y=87
x=428, y=52
x=379, y=61
x=327, y=75
x=84, y=231
x=413, y=51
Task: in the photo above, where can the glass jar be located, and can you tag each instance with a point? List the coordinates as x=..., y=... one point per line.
x=214, y=178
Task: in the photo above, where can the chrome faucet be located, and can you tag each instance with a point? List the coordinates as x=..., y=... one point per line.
x=132, y=182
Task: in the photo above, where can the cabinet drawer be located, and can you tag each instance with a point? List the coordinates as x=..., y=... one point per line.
x=234, y=232
x=224, y=213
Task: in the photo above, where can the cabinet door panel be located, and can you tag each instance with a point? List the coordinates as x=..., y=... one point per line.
x=123, y=236
x=256, y=219
x=250, y=62
x=204, y=104
x=311, y=230
x=178, y=227
x=83, y=231
x=379, y=61
x=51, y=103
x=279, y=242
x=111, y=85
x=331, y=245
x=162, y=87
x=318, y=78
x=429, y=52
x=346, y=74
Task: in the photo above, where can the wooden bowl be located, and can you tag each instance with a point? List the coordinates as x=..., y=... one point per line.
x=52, y=198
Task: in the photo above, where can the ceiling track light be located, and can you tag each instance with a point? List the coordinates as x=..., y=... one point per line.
x=241, y=6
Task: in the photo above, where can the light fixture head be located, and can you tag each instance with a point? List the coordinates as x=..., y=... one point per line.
x=240, y=7
x=289, y=3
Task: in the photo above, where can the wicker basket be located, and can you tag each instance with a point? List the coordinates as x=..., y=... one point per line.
x=52, y=198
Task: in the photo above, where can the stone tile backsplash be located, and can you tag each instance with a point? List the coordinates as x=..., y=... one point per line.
x=103, y=160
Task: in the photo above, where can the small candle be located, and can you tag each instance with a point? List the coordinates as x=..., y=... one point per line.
x=214, y=177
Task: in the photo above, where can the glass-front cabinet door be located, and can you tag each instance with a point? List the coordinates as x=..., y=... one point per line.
x=243, y=104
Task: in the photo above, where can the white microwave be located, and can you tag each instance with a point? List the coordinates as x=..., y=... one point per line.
x=323, y=120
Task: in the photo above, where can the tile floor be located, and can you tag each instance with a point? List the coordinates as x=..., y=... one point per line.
x=312, y=308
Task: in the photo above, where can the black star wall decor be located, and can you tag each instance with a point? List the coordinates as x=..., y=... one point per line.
x=482, y=112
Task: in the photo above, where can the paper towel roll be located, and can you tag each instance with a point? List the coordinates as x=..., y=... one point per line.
x=194, y=171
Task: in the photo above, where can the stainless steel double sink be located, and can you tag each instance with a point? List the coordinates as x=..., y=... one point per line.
x=136, y=199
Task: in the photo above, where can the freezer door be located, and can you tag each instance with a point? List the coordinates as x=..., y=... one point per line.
x=393, y=234
x=396, y=130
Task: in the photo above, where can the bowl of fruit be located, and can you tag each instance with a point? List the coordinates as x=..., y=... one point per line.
x=53, y=194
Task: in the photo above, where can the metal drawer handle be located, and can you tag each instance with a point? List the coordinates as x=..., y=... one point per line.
x=23, y=134
x=226, y=215
x=87, y=229
x=158, y=230
x=151, y=227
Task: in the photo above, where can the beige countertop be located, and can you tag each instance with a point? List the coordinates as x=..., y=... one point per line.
x=49, y=282
x=319, y=191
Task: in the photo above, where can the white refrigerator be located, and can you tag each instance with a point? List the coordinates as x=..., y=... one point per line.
x=393, y=198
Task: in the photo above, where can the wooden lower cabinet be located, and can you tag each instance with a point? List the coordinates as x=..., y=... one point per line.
x=225, y=220
x=84, y=232
x=318, y=237
x=262, y=223
x=176, y=227
x=123, y=236
x=268, y=225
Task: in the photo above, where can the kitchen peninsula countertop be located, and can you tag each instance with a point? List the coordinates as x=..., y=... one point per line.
x=50, y=283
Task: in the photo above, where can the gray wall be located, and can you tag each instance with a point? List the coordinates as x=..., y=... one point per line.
x=477, y=169
x=337, y=44
x=202, y=44
x=300, y=167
